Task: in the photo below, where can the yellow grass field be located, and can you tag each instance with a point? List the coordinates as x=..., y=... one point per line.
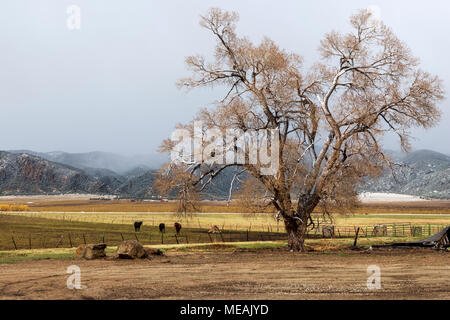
x=252, y=222
x=49, y=204
x=122, y=206
x=228, y=217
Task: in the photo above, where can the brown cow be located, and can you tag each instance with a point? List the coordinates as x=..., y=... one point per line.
x=177, y=227
x=214, y=229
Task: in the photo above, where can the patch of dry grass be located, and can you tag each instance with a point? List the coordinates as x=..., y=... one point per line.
x=13, y=207
x=128, y=206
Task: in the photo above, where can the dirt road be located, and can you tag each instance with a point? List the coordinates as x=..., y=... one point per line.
x=236, y=275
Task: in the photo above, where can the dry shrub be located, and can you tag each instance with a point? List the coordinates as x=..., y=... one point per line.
x=14, y=207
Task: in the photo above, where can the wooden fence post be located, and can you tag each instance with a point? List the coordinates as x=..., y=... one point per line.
x=70, y=241
x=121, y=235
x=59, y=241
x=356, y=237
x=29, y=241
x=84, y=239
x=14, y=242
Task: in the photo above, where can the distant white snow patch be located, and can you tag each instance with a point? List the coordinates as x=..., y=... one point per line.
x=387, y=197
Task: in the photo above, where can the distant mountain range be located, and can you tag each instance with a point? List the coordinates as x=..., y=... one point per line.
x=28, y=174
x=423, y=173
x=100, y=160
x=53, y=173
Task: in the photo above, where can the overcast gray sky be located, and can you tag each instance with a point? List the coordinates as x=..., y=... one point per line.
x=110, y=86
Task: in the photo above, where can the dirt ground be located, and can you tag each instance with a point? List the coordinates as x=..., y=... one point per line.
x=236, y=275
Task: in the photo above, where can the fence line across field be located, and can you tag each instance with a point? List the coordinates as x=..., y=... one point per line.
x=72, y=239
x=382, y=230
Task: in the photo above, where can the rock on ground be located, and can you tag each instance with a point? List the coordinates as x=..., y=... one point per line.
x=153, y=252
x=131, y=249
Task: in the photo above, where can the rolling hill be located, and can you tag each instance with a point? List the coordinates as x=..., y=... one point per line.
x=28, y=174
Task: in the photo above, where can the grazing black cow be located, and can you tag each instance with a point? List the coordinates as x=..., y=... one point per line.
x=177, y=227
x=162, y=227
x=137, y=226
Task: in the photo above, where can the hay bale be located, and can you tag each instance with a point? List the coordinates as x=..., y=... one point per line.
x=131, y=249
x=91, y=251
x=328, y=231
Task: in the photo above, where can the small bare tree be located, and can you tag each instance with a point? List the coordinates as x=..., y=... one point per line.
x=331, y=120
x=253, y=197
x=175, y=179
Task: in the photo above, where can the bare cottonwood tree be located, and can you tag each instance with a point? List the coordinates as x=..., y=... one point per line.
x=331, y=120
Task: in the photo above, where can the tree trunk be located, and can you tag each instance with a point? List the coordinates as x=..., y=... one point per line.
x=296, y=234
x=296, y=222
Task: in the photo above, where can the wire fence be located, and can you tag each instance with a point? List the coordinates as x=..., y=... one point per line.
x=69, y=239
x=73, y=239
x=255, y=225
x=379, y=230
x=63, y=235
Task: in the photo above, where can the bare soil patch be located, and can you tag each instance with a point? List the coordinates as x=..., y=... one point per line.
x=251, y=274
